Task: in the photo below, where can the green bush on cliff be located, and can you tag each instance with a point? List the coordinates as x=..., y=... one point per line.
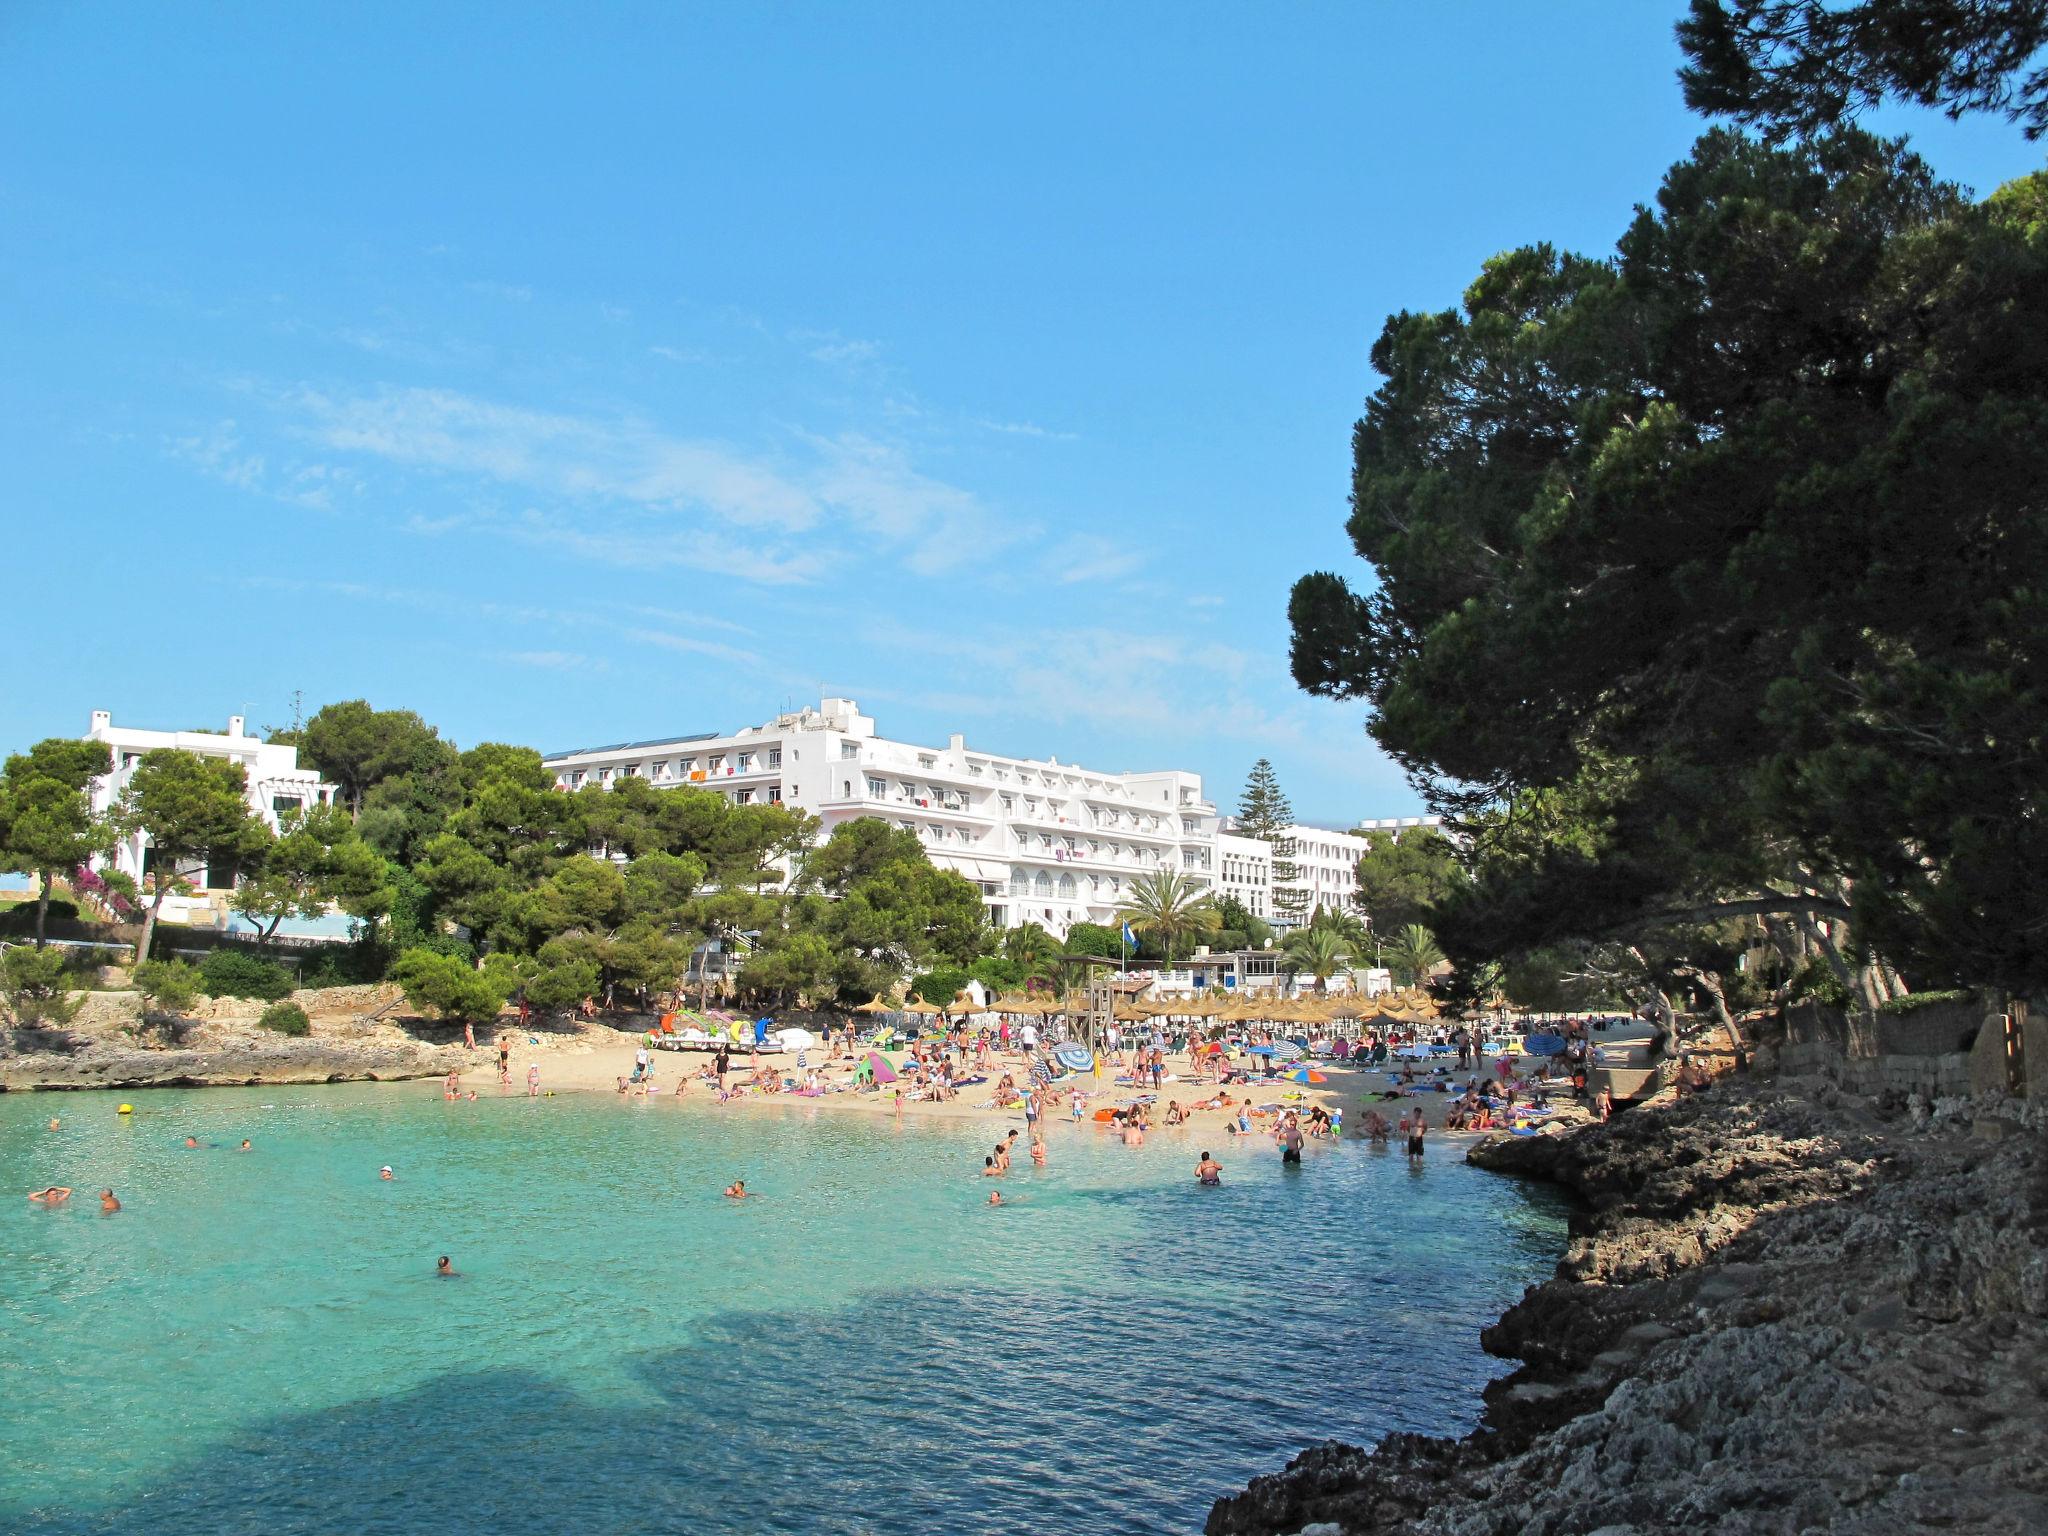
x=286, y=1019
x=231, y=973
x=1913, y=1000
x=168, y=986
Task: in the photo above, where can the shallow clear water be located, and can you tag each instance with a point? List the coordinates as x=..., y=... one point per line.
x=257, y=1342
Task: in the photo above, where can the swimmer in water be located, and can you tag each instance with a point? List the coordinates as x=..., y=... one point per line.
x=1038, y=1151
x=108, y=1203
x=445, y=1269
x=384, y=1172
x=245, y=1147
x=54, y=1122
x=56, y=1194
x=191, y=1143
x=989, y=1170
x=995, y=1197
x=1208, y=1170
x=736, y=1190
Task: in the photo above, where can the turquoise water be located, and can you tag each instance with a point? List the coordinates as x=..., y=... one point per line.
x=257, y=1341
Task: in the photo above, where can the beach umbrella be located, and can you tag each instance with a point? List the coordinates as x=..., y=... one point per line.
x=1307, y=1075
x=921, y=1008
x=964, y=1004
x=878, y=1064
x=874, y=1005
x=1259, y=1050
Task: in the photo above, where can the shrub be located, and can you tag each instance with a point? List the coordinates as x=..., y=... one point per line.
x=1815, y=981
x=444, y=986
x=938, y=985
x=286, y=1019
x=232, y=973
x=1913, y=1000
x=34, y=988
x=170, y=986
x=21, y=917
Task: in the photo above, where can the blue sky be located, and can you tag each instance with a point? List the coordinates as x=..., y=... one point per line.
x=576, y=374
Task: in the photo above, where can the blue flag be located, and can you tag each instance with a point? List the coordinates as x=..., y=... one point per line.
x=1130, y=938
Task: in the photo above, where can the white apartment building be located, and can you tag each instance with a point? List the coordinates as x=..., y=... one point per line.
x=1244, y=869
x=277, y=784
x=1046, y=841
x=1326, y=865
x=1325, y=868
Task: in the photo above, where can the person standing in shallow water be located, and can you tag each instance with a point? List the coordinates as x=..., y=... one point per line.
x=1417, y=1127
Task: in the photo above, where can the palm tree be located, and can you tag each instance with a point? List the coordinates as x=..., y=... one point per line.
x=1348, y=926
x=1169, y=906
x=1412, y=954
x=1320, y=951
x=1034, y=951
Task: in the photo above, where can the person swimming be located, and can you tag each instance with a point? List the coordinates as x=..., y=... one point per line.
x=385, y=1172
x=245, y=1146
x=55, y=1194
x=989, y=1170
x=445, y=1269
x=191, y=1143
x=1208, y=1171
x=995, y=1197
x=108, y=1203
x=736, y=1190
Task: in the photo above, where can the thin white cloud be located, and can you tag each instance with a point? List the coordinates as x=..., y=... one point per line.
x=220, y=454
x=941, y=526
x=571, y=456
x=1091, y=557
x=681, y=354
x=513, y=293
x=555, y=661
x=1023, y=429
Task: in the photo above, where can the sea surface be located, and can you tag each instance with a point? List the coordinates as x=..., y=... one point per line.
x=257, y=1341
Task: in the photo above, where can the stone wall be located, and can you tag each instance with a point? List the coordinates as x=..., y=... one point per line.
x=1932, y=1077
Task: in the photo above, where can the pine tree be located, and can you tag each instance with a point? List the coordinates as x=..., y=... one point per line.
x=1263, y=812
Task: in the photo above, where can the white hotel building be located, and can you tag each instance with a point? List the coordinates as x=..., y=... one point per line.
x=277, y=785
x=1046, y=841
x=1326, y=866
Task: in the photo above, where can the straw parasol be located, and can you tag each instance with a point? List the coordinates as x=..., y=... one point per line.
x=964, y=1004
x=920, y=1007
x=874, y=1005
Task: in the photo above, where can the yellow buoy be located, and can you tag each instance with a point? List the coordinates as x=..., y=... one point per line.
x=125, y=1109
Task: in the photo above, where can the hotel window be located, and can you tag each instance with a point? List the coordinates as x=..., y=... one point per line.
x=632, y=770
x=775, y=757
x=927, y=760
x=1020, y=883
x=1041, y=884
x=743, y=797
x=1067, y=887
x=878, y=787
x=849, y=749
x=744, y=761
x=1009, y=805
x=686, y=764
x=576, y=777
x=775, y=794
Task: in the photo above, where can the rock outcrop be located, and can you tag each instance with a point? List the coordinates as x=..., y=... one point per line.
x=1776, y=1314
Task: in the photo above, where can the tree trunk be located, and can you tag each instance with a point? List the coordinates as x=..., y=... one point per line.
x=156, y=902
x=42, y=910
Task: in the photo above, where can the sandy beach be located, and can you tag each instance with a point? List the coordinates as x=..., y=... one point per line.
x=596, y=1061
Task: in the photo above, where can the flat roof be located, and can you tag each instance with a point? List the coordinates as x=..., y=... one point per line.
x=628, y=746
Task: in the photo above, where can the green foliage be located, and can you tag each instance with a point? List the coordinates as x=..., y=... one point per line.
x=1094, y=939
x=997, y=973
x=1816, y=982
x=236, y=973
x=1242, y=928
x=317, y=861
x=358, y=747
x=47, y=827
x=1412, y=954
x=1033, y=952
x=1319, y=950
x=939, y=985
x=443, y=986
x=1263, y=810
x=1403, y=878
x=1917, y=1000
x=1793, y=67
x=19, y=920
x=169, y=986
x=192, y=809
x=1725, y=587
x=35, y=988
x=285, y=1018
x=1168, y=907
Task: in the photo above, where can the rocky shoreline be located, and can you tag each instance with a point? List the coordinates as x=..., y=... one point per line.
x=1782, y=1310
x=356, y=1036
